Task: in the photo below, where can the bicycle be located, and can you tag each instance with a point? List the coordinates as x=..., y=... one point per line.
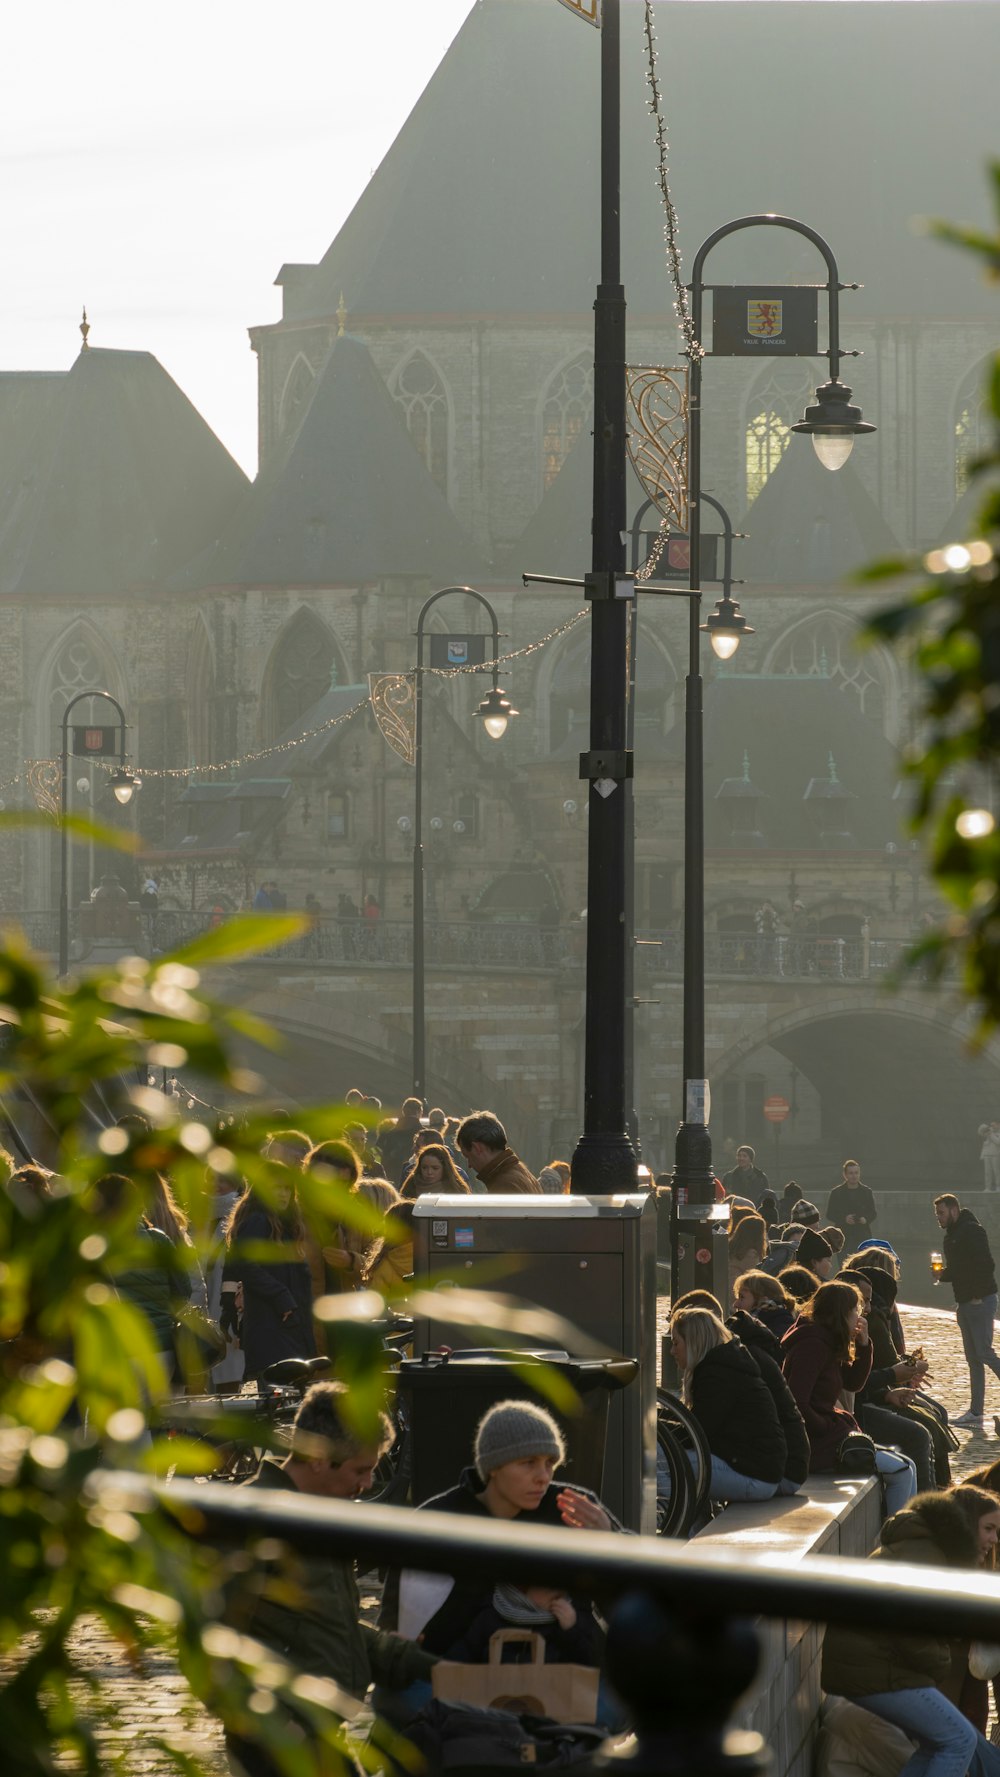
x=682, y=1485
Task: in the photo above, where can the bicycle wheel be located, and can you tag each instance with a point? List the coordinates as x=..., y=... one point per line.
x=691, y=1437
x=674, y=1482
x=391, y=1480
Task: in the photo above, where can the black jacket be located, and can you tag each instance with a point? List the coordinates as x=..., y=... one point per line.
x=968, y=1262
x=752, y=1183
x=469, y=1598
x=736, y=1411
x=852, y=1201
x=755, y=1335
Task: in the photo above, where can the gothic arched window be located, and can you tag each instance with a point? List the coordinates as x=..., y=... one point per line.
x=825, y=646
x=567, y=409
x=201, y=711
x=303, y=667
x=419, y=389
x=78, y=666
x=80, y=663
x=777, y=400
x=296, y=393
x=972, y=424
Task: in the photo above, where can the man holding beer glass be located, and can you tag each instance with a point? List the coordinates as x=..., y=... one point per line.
x=967, y=1264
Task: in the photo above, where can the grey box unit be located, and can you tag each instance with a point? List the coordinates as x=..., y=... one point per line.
x=591, y=1260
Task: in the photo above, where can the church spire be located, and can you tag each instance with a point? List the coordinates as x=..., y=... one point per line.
x=85, y=330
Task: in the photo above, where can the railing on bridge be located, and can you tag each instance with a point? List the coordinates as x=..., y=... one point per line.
x=477, y=944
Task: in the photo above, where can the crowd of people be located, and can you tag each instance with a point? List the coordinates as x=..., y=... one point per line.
x=798, y=1367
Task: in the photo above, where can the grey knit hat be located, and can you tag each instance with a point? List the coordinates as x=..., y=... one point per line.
x=513, y=1430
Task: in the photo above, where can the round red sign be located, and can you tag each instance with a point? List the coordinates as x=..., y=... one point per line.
x=776, y=1109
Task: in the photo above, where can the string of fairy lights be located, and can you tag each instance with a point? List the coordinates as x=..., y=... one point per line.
x=693, y=348
x=22, y=778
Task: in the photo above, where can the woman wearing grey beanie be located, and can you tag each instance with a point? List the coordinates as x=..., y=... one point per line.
x=518, y=1447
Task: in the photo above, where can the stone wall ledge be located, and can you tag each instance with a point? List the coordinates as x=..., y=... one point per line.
x=831, y=1516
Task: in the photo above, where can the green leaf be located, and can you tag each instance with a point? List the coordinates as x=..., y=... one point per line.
x=78, y=825
x=247, y=934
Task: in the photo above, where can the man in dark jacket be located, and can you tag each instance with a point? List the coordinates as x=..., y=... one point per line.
x=482, y=1142
x=308, y=1612
x=852, y=1206
x=746, y=1179
x=968, y=1267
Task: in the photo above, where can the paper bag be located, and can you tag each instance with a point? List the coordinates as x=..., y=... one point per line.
x=564, y=1692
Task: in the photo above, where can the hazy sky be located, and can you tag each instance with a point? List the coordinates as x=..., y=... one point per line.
x=161, y=163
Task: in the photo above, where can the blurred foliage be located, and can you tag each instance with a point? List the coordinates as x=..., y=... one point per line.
x=82, y=1381
x=948, y=627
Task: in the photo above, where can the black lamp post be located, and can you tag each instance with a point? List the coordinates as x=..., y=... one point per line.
x=123, y=785
x=833, y=424
x=496, y=711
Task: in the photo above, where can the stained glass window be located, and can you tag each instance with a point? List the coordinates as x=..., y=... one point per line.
x=567, y=410
x=420, y=391
x=777, y=400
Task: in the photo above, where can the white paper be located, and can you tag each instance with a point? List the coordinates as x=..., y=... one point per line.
x=421, y=1596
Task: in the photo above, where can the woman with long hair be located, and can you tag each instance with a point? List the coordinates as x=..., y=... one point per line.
x=902, y=1678
x=277, y=1298
x=334, y=1252
x=433, y=1169
x=767, y=1299
x=826, y=1351
x=747, y=1245
x=722, y=1384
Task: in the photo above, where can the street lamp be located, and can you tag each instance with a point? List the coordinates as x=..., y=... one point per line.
x=123, y=784
x=833, y=425
x=496, y=711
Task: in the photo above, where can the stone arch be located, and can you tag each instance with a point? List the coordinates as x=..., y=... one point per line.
x=565, y=409
x=296, y=394
x=81, y=658
x=201, y=694
x=823, y=644
x=895, y=1083
x=304, y=663
x=420, y=388
x=562, y=686
x=774, y=401
x=971, y=421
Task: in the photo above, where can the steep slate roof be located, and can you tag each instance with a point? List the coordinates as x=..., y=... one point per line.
x=810, y=525
x=109, y=479
x=349, y=501
x=487, y=202
x=753, y=714
x=557, y=537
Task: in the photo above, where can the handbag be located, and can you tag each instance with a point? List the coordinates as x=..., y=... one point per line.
x=464, y=1741
x=564, y=1692
x=857, y=1454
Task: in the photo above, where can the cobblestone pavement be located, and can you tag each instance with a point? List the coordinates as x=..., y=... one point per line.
x=139, y=1708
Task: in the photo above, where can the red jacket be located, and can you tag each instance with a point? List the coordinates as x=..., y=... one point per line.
x=816, y=1379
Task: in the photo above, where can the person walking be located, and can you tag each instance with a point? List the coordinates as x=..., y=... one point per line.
x=482, y=1142
x=746, y=1179
x=852, y=1206
x=968, y=1267
x=989, y=1154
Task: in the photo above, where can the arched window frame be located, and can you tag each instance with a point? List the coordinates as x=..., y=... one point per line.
x=972, y=424
x=315, y=635
x=565, y=411
x=96, y=668
x=296, y=394
x=427, y=414
x=201, y=694
x=776, y=400
x=823, y=645
x=547, y=692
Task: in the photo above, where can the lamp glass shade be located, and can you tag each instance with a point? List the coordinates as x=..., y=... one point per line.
x=833, y=448
x=495, y=726
x=724, y=643
x=123, y=791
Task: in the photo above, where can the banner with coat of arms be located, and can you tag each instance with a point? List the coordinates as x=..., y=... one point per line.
x=585, y=9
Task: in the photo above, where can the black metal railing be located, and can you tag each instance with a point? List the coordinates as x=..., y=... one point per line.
x=682, y=1647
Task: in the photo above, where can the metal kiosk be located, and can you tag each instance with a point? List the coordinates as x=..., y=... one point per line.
x=591, y=1260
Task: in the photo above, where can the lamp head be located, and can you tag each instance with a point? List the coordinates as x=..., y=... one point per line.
x=496, y=710
x=123, y=785
x=726, y=626
x=833, y=424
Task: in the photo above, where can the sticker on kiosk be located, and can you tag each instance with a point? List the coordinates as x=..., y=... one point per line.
x=465, y=1237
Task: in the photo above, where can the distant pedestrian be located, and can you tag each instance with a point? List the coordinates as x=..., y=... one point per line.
x=968, y=1267
x=746, y=1178
x=482, y=1142
x=262, y=902
x=277, y=1298
x=989, y=1154
x=852, y=1206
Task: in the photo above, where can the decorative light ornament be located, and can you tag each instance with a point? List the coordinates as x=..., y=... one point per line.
x=124, y=784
